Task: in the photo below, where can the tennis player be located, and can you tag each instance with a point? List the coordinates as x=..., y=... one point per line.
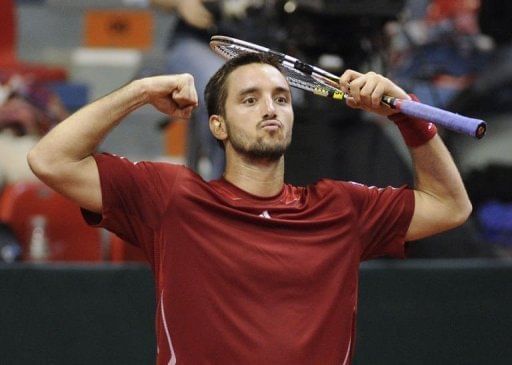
x=249, y=269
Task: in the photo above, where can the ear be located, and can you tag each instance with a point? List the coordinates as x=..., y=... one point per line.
x=218, y=127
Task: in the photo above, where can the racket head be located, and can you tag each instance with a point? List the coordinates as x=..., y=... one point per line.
x=299, y=74
x=320, y=82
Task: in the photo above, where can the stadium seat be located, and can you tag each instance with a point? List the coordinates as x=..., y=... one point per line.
x=69, y=237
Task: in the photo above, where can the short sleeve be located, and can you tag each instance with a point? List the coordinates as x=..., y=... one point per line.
x=383, y=218
x=135, y=195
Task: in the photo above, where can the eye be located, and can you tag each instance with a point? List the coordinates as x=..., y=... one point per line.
x=249, y=100
x=281, y=99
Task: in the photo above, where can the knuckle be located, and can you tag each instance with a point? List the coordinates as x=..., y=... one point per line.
x=188, y=77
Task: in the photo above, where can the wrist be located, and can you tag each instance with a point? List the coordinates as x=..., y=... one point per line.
x=137, y=92
x=415, y=132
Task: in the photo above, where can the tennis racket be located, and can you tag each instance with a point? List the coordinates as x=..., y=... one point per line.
x=320, y=82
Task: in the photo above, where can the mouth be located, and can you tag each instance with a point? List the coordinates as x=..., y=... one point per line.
x=271, y=125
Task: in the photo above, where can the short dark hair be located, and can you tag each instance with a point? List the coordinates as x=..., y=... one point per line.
x=215, y=93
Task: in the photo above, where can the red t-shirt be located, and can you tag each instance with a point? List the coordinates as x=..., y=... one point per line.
x=247, y=280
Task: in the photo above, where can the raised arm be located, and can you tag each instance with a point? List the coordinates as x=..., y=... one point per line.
x=63, y=158
x=441, y=201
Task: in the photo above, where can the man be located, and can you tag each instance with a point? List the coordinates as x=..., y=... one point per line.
x=188, y=51
x=248, y=269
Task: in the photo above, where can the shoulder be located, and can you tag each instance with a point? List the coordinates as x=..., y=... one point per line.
x=330, y=186
x=121, y=169
x=326, y=189
x=357, y=192
x=111, y=162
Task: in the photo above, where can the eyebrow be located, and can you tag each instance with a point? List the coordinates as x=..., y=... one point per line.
x=251, y=90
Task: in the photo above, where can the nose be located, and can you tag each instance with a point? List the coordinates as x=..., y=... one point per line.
x=269, y=109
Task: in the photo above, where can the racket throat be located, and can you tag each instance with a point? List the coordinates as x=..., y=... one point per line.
x=328, y=93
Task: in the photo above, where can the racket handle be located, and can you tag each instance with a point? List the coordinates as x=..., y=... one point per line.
x=455, y=122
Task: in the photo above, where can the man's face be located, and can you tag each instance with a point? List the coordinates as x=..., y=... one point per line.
x=258, y=112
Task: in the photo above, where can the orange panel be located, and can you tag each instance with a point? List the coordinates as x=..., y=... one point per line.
x=118, y=28
x=175, y=138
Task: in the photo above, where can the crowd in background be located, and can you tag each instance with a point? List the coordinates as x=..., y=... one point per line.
x=453, y=54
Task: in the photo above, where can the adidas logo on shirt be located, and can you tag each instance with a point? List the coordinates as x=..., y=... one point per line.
x=265, y=214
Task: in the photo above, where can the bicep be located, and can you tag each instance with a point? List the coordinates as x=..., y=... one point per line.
x=80, y=182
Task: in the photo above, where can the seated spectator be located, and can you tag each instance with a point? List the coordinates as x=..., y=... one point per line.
x=27, y=112
x=438, y=53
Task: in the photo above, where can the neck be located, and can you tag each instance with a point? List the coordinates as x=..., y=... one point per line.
x=260, y=177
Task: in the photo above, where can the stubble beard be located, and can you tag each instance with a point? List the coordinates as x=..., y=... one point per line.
x=260, y=149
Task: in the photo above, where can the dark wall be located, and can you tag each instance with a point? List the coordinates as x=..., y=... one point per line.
x=435, y=312
x=410, y=312
x=76, y=315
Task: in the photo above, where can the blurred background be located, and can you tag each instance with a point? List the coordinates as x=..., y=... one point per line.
x=58, y=55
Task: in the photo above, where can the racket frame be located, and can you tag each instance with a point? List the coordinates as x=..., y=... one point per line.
x=328, y=86
x=328, y=82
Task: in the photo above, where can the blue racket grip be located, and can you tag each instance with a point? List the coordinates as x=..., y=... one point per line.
x=455, y=122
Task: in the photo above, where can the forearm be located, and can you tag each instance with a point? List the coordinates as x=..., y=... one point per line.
x=439, y=190
x=440, y=196
x=79, y=135
x=435, y=172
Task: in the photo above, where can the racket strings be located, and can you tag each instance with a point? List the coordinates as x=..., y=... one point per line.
x=231, y=51
x=295, y=77
x=307, y=82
